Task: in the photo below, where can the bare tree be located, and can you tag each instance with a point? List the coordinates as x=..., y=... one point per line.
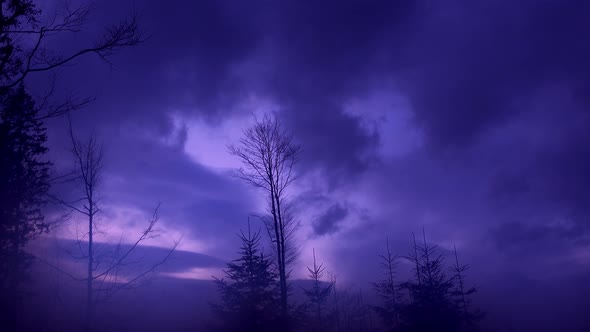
x=104, y=270
x=25, y=38
x=269, y=154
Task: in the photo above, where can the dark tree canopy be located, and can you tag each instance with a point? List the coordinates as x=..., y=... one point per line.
x=24, y=181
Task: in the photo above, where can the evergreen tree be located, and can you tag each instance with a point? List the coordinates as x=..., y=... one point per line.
x=317, y=296
x=249, y=299
x=24, y=181
x=429, y=306
x=460, y=294
x=387, y=290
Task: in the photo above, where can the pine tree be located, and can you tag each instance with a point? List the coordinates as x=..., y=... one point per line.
x=387, y=290
x=317, y=296
x=24, y=181
x=460, y=294
x=249, y=299
x=430, y=306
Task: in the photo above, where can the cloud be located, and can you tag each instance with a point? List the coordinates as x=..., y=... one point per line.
x=329, y=221
x=467, y=119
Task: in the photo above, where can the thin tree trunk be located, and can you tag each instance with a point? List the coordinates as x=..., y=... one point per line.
x=89, y=299
x=280, y=254
x=283, y=272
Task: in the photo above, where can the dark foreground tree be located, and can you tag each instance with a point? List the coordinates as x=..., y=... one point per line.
x=25, y=47
x=268, y=154
x=24, y=182
x=248, y=292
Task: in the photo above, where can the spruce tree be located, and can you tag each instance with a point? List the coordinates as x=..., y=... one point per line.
x=460, y=295
x=429, y=306
x=249, y=291
x=317, y=296
x=387, y=290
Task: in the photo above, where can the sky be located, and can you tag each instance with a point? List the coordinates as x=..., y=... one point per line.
x=467, y=119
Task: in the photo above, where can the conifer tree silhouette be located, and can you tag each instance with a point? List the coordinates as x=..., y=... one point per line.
x=317, y=296
x=249, y=300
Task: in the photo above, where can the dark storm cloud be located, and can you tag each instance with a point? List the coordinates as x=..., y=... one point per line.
x=461, y=65
x=328, y=53
x=464, y=66
x=205, y=57
x=514, y=237
x=497, y=89
x=329, y=221
x=191, y=61
x=468, y=71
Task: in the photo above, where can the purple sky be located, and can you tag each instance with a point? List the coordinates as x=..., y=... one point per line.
x=467, y=118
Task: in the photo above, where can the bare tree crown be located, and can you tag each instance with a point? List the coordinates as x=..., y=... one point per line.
x=268, y=155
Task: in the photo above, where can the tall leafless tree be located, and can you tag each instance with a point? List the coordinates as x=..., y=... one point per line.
x=268, y=155
x=104, y=275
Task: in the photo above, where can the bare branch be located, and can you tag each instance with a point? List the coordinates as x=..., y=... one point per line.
x=145, y=234
x=22, y=62
x=57, y=268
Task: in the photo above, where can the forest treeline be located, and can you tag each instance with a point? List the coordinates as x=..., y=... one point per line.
x=435, y=298
x=256, y=290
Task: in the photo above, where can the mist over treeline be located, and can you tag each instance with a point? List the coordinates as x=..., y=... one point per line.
x=114, y=217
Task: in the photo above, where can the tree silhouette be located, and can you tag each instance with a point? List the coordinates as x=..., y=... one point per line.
x=249, y=299
x=25, y=40
x=268, y=154
x=338, y=300
x=317, y=296
x=387, y=290
x=460, y=294
x=24, y=181
x=429, y=307
x=431, y=300
x=22, y=21
x=104, y=275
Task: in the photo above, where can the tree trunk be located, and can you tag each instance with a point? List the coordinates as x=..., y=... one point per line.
x=89, y=299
